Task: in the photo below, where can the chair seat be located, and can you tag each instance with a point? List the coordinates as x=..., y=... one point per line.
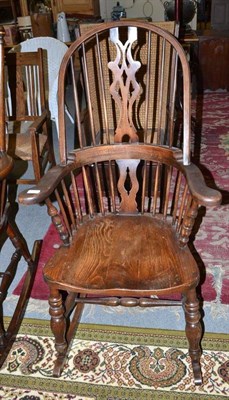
x=123, y=255
x=19, y=142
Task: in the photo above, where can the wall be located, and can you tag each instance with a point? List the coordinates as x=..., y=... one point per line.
x=138, y=8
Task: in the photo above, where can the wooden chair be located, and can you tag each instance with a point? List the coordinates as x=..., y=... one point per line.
x=28, y=121
x=9, y=230
x=125, y=207
x=53, y=54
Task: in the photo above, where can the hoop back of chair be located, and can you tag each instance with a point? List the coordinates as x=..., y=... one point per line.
x=120, y=89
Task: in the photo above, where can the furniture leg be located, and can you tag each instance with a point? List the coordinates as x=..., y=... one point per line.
x=193, y=332
x=58, y=327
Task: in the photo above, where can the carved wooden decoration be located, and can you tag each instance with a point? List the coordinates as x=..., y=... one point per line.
x=128, y=185
x=124, y=69
x=125, y=90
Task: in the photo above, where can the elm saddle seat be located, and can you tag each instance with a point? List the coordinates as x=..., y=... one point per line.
x=138, y=254
x=124, y=206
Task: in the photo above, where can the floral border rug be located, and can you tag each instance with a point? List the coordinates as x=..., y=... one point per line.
x=113, y=363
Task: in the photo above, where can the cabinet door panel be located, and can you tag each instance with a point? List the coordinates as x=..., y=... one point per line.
x=213, y=75
x=90, y=7
x=220, y=14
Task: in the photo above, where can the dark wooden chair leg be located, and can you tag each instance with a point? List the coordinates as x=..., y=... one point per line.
x=78, y=309
x=193, y=332
x=6, y=278
x=58, y=327
x=63, y=329
x=7, y=336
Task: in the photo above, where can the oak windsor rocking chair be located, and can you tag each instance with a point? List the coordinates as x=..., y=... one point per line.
x=9, y=230
x=126, y=201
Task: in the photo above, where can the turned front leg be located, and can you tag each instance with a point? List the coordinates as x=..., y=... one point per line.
x=58, y=327
x=193, y=332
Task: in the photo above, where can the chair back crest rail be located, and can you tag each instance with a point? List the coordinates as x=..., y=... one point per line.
x=129, y=92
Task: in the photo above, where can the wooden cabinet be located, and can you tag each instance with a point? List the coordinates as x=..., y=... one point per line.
x=9, y=11
x=86, y=7
x=213, y=58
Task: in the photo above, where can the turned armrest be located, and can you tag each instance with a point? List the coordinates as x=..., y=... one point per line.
x=6, y=165
x=198, y=188
x=45, y=187
x=195, y=180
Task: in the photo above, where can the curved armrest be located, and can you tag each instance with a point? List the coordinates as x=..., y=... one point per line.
x=40, y=120
x=39, y=193
x=198, y=188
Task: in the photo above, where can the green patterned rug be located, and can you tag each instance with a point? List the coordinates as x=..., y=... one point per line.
x=113, y=363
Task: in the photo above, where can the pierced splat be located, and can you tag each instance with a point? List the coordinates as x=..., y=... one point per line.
x=128, y=185
x=124, y=88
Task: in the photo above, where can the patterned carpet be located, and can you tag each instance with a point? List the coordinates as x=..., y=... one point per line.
x=113, y=363
x=211, y=153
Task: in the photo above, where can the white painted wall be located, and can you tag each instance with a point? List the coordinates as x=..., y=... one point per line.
x=138, y=8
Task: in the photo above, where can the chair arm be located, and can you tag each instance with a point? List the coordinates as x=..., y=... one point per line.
x=198, y=188
x=46, y=186
x=195, y=180
x=39, y=122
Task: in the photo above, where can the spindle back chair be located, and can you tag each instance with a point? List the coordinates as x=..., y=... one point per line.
x=124, y=206
x=53, y=52
x=28, y=121
x=9, y=230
